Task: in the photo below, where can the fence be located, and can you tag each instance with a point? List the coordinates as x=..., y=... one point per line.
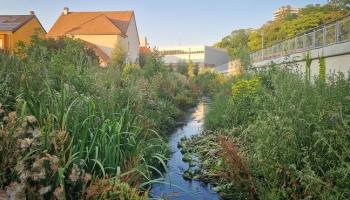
x=322, y=36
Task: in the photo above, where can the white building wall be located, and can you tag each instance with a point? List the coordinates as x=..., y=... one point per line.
x=105, y=42
x=192, y=54
x=132, y=42
x=202, y=55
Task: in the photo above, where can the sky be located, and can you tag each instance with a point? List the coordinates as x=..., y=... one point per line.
x=167, y=22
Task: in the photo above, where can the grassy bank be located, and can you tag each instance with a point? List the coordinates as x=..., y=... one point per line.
x=273, y=135
x=72, y=130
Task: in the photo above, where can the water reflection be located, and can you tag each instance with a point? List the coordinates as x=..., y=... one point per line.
x=174, y=185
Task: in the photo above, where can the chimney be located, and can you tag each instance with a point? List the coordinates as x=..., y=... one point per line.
x=65, y=10
x=31, y=12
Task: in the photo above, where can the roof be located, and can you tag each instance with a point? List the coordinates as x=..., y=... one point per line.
x=92, y=23
x=145, y=50
x=101, y=54
x=13, y=22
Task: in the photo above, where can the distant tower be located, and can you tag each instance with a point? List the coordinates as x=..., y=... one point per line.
x=143, y=42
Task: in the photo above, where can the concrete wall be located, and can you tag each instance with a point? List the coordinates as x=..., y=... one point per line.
x=337, y=58
x=232, y=68
x=215, y=57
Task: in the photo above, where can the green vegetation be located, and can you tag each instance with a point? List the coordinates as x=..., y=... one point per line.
x=322, y=72
x=272, y=135
x=119, y=55
x=308, y=61
x=72, y=130
x=243, y=41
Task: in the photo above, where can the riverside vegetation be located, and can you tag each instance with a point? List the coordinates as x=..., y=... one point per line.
x=274, y=134
x=72, y=130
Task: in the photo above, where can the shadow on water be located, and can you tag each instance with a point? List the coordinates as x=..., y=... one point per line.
x=175, y=186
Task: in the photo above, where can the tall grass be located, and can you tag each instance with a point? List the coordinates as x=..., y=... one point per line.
x=293, y=133
x=104, y=126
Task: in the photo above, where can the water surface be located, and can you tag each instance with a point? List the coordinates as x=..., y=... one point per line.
x=175, y=187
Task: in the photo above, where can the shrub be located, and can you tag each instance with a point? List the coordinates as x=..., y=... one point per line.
x=293, y=134
x=119, y=55
x=96, y=125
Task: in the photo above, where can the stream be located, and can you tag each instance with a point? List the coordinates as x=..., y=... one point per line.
x=174, y=185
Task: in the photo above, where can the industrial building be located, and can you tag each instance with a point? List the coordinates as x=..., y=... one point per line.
x=199, y=55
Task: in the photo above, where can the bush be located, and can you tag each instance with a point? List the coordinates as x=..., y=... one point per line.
x=96, y=125
x=293, y=134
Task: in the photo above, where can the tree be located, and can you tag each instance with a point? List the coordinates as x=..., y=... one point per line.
x=190, y=72
x=237, y=45
x=340, y=4
x=119, y=55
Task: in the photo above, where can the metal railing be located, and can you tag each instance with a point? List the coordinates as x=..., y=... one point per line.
x=328, y=34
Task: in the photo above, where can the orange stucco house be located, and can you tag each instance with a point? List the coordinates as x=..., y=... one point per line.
x=15, y=28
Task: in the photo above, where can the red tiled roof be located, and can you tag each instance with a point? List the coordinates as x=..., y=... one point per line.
x=114, y=22
x=145, y=50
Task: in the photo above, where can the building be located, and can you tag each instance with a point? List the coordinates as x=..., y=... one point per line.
x=144, y=42
x=284, y=11
x=203, y=56
x=145, y=49
x=16, y=28
x=101, y=31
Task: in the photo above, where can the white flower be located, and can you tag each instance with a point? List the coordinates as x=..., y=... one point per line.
x=74, y=176
x=25, y=143
x=44, y=190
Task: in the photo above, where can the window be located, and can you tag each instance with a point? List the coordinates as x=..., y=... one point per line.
x=1, y=43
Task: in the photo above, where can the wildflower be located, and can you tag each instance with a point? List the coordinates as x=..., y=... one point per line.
x=87, y=178
x=31, y=120
x=25, y=143
x=38, y=163
x=16, y=191
x=19, y=132
x=35, y=133
x=39, y=175
x=24, y=175
x=3, y=194
x=12, y=117
x=5, y=120
x=75, y=174
x=53, y=161
x=58, y=193
x=44, y=190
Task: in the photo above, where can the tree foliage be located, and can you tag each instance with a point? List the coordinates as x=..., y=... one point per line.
x=243, y=41
x=237, y=45
x=119, y=55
